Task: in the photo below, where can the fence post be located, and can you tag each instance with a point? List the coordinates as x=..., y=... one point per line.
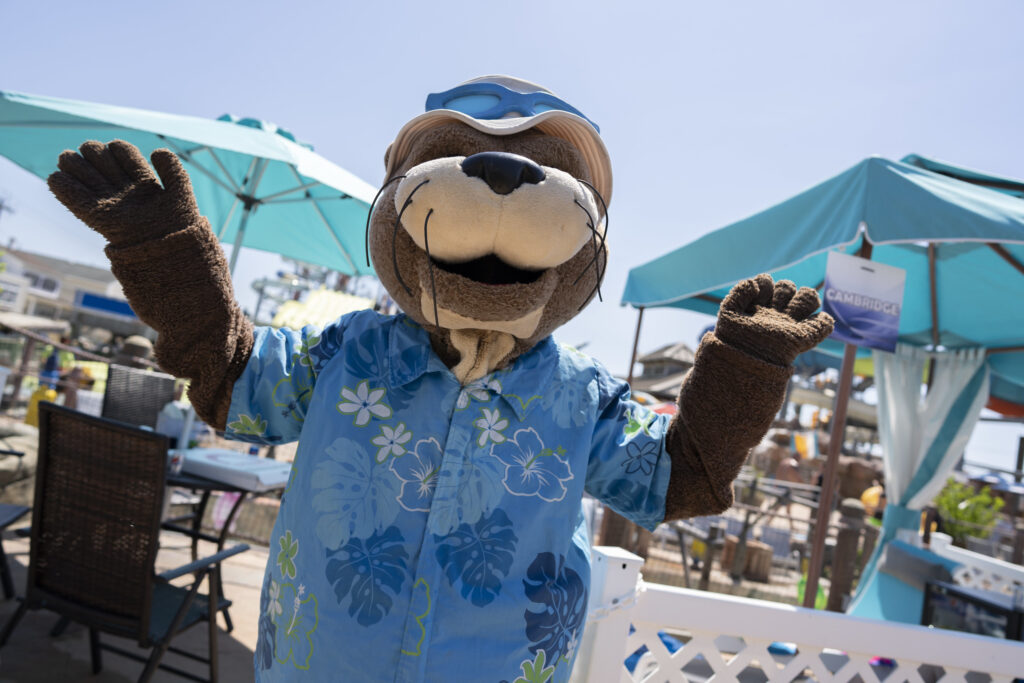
x=714, y=531
x=871, y=534
x=613, y=579
x=844, y=561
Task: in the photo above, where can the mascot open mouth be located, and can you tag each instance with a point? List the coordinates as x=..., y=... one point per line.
x=490, y=270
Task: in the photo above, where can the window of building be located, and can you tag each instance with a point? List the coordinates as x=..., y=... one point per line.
x=40, y=284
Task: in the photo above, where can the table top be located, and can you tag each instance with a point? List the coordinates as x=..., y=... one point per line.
x=191, y=481
x=212, y=469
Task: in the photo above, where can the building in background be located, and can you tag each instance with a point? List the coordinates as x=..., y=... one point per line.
x=664, y=370
x=89, y=298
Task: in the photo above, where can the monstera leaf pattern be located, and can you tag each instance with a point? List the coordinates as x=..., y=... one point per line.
x=358, y=495
x=270, y=606
x=564, y=401
x=370, y=573
x=480, y=488
x=479, y=556
x=562, y=596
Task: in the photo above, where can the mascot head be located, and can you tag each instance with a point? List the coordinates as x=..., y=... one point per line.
x=489, y=229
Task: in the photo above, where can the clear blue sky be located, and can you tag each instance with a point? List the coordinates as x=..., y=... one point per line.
x=711, y=111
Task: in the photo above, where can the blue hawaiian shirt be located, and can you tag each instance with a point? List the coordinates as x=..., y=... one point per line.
x=433, y=531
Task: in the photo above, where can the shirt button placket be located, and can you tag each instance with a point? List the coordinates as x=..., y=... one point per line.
x=428, y=570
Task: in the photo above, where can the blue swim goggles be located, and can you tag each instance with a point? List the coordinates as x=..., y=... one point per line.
x=492, y=101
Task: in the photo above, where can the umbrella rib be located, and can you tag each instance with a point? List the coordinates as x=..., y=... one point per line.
x=231, y=213
x=224, y=170
x=1007, y=256
x=306, y=186
x=344, y=252
x=304, y=199
x=188, y=157
x=327, y=224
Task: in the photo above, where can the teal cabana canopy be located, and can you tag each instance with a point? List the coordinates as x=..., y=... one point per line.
x=958, y=234
x=258, y=187
x=973, y=221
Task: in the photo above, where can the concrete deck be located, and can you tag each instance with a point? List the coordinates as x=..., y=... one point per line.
x=32, y=656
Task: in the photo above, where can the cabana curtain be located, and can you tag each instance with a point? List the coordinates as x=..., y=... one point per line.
x=923, y=434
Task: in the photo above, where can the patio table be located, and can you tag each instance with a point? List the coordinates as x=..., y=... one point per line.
x=206, y=486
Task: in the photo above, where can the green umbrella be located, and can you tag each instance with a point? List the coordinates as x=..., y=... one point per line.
x=258, y=187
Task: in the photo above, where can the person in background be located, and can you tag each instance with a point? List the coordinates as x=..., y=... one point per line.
x=50, y=374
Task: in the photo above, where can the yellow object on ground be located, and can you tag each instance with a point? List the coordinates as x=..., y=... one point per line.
x=871, y=498
x=43, y=393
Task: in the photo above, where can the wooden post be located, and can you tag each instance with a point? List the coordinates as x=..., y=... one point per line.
x=835, y=445
x=867, y=547
x=636, y=341
x=828, y=483
x=18, y=376
x=709, y=556
x=739, y=559
x=684, y=555
x=845, y=559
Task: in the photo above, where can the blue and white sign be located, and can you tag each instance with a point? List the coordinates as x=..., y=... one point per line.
x=865, y=298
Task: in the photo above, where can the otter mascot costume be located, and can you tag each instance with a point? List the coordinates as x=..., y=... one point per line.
x=432, y=530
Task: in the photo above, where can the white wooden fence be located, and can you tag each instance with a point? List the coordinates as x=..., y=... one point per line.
x=977, y=570
x=727, y=639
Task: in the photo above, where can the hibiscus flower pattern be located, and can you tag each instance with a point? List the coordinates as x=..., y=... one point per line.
x=295, y=625
x=364, y=402
x=418, y=472
x=391, y=442
x=530, y=468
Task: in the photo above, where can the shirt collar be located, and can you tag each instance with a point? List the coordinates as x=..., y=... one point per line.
x=410, y=356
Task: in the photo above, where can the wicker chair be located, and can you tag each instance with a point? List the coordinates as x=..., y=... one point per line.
x=9, y=514
x=95, y=533
x=136, y=396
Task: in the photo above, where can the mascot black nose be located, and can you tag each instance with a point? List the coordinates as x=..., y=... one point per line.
x=502, y=171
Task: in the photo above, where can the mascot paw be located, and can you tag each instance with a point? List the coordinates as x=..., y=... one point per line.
x=112, y=189
x=772, y=321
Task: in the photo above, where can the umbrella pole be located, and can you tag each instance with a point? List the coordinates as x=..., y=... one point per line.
x=636, y=340
x=239, y=238
x=828, y=479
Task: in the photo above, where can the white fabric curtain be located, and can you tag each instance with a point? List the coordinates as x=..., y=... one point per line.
x=922, y=436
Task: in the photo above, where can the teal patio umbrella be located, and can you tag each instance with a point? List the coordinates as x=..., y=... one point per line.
x=258, y=187
x=958, y=233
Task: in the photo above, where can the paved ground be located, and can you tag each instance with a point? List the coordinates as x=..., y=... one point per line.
x=32, y=656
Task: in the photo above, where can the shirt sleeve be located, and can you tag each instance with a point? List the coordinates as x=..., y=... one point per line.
x=629, y=467
x=271, y=397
